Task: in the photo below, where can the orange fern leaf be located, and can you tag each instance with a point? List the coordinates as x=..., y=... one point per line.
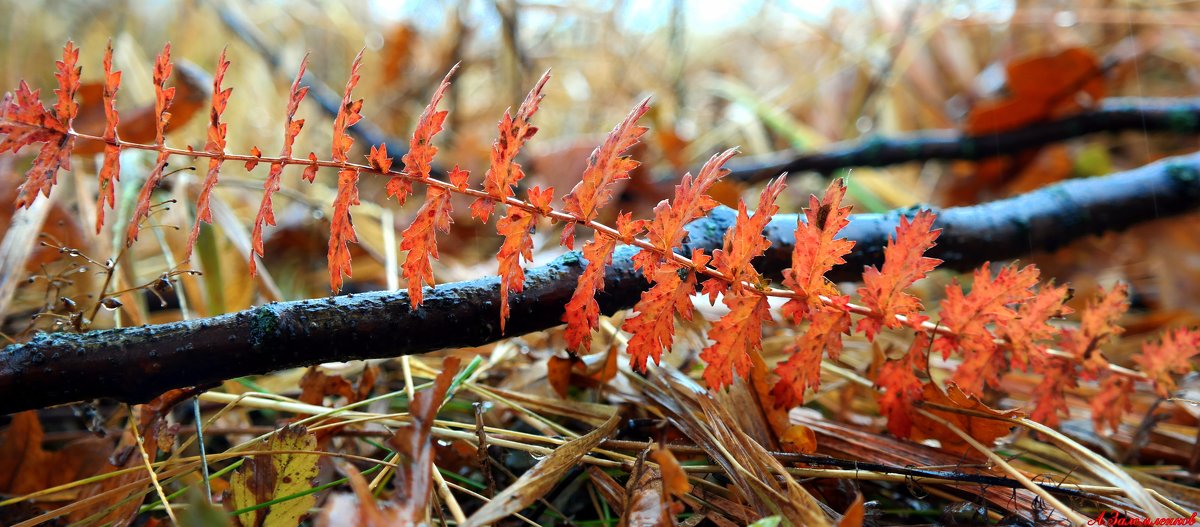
x=56, y=153
x=517, y=230
x=1172, y=355
x=1098, y=324
x=901, y=387
x=254, y=151
x=743, y=243
x=802, y=370
x=903, y=264
x=341, y=229
x=25, y=121
x=110, y=171
x=504, y=173
x=735, y=337
x=163, y=97
x=739, y=333
x=691, y=201
x=1029, y=332
x=420, y=238
x=606, y=166
x=1112, y=401
x=310, y=171
x=968, y=317
x=216, y=145
x=379, y=160
x=653, y=322
x=291, y=129
x=582, y=314
x=1050, y=400
x=816, y=251
x=817, y=248
x=419, y=159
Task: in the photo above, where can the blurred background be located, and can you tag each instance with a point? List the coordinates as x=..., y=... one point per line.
x=771, y=77
x=765, y=76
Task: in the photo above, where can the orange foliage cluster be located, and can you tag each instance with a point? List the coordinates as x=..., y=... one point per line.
x=1000, y=324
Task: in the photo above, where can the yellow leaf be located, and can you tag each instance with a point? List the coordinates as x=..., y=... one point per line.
x=266, y=477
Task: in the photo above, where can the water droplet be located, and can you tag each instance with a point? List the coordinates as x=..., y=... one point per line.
x=1065, y=19
x=864, y=124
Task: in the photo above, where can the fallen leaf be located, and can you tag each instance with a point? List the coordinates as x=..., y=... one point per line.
x=980, y=428
x=26, y=467
x=270, y=476
x=415, y=444
x=537, y=481
x=855, y=514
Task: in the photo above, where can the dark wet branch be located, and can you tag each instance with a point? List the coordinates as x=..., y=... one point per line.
x=1176, y=116
x=136, y=364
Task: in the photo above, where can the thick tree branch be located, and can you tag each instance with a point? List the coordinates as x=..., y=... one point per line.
x=1178, y=116
x=136, y=364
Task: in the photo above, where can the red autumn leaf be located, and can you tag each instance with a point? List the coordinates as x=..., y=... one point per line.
x=802, y=370
x=582, y=313
x=675, y=480
x=26, y=121
x=1098, y=324
x=1055, y=76
x=986, y=430
x=379, y=160
x=817, y=248
x=1112, y=401
x=606, y=166
x=1049, y=397
x=558, y=373
x=1041, y=88
x=504, y=173
x=903, y=264
x=855, y=516
x=816, y=251
x=163, y=97
x=310, y=171
x=415, y=442
x=341, y=228
x=216, y=145
x=458, y=178
x=1029, y=332
x=743, y=243
x=420, y=238
x=110, y=171
x=735, y=337
x=901, y=387
x=691, y=201
x=291, y=128
x=798, y=439
x=1173, y=355
x=254, y=151
x=968, y=317
x=516, y=228
x=32, y=123
x=419, y=159
x=653, y=322
x=26, y=467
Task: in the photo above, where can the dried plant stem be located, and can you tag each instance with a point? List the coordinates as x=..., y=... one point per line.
x=150, y=469
x=1074, y=517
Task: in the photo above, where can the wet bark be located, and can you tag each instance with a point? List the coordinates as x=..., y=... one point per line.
x=1176, y=116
